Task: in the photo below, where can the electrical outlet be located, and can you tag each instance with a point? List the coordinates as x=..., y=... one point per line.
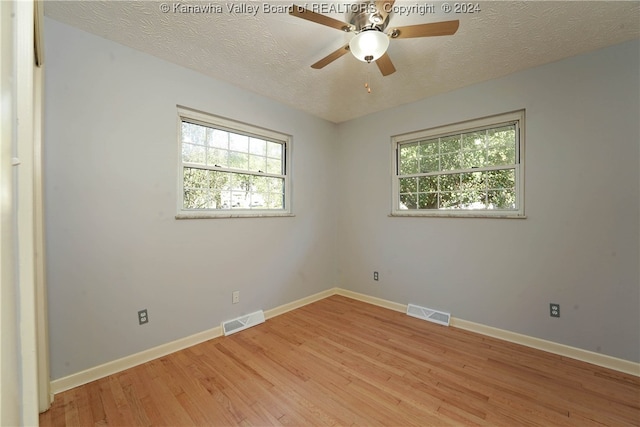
x=554, y=310
x=235, y=297
x=375, y=276
x=143, y=317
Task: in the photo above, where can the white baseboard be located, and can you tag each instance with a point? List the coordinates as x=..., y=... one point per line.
x=372, y=300
x=299, y=303
x=598, y=359
x=594, y=358
x=113, y=367
x=127, y=362
x=118, y=365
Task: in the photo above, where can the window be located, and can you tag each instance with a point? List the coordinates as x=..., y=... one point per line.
x=467, y=169
x=230, y=169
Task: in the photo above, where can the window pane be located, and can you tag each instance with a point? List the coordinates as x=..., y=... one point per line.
x=510, y=154
x=472, y=181
x=257, y=163
x=195, y=178
x=219, y=139
x=238, y=160
x=450, y=144
x=472, y=199
x=501, y=156
x=408, y=185
x=448, y=200
x=449, y=182
x=260, y=184
x=505, y=135
x=274, y=166
x=239, y=199
x=501, y=199
x=194, y=153
x=275, y=185
x=428, y=201
x=408, y=201
x=239, y=142
x=409, y=166
x=473, y=140
x=258, y=200
x=275, y=201
x=194, y=134
x=258, y=146
x=450, y=161
x=219, y=181
x=429, y=148
x=473, y=159
x=501, y=178
x=217, y=157
x=274, y=150
x=409, y=159
x=196, y=199
x=218, y=188
x=429, y=164
x=428, y=184
x=239, y=182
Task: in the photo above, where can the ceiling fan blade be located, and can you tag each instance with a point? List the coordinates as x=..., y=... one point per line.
x=446, y=28
x=331, y=57
x=303, y=13
x=385, y=65
x=384, y=7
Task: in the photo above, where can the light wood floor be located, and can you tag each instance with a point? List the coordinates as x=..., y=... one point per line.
x=343, y=362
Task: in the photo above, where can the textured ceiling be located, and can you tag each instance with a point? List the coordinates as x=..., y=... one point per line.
x=271, y=53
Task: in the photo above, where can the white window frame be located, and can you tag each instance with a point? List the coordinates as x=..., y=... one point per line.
x=217, y=122
x=516, y=117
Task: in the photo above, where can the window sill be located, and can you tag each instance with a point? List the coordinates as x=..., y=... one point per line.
x=206, y=215
x=501, y=215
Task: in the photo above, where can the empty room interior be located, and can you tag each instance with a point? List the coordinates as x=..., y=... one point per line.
x=331, y=213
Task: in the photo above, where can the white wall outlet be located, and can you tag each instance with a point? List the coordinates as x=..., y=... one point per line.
x=235, y=297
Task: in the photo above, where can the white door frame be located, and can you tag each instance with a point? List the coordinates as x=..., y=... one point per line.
x=45, y=396
x=24, y=358
x=9, y=355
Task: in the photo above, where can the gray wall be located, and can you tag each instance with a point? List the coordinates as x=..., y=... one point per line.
x=579, y=245
x=113, y=244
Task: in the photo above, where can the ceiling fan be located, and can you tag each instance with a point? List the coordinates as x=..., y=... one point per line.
x=369, y=20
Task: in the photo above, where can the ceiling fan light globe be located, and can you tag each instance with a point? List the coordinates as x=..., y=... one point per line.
x=370, y=45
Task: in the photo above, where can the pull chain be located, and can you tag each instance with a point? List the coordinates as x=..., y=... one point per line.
x=366, y=83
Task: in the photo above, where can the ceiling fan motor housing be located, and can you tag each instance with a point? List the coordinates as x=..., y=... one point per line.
x=368, y=17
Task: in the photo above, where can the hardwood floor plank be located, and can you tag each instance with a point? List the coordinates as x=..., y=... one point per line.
x=56, y=414
x=205, y=394
x=340, y=361
x=330, y=392
x=71, y=417
x=95, y=403
x=159, y=403
x=85, y=414
x=133, y=398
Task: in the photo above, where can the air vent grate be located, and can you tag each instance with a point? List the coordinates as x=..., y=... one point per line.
x=243, y=322
x=428, y=314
